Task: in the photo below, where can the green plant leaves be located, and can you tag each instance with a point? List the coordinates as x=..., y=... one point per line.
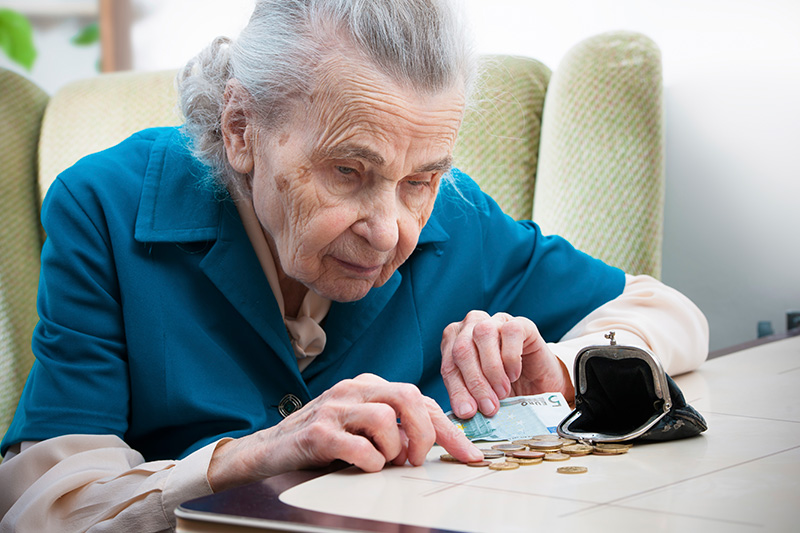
x=88, y=36
x=16, y=38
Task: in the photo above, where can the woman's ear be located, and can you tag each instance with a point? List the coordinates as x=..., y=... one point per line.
x=237, y=128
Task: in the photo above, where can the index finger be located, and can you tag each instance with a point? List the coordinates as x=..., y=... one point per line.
x=449, y=437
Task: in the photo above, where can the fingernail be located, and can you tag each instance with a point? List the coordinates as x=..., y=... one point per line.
x=487, y=406
x=463, y=410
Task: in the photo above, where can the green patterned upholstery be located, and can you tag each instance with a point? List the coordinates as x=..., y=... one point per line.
x=90, y=115
x=498, y=144
x=600, y=182
x=21, y=108
x=590, y=139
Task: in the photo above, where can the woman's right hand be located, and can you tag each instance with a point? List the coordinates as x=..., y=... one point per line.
x=355, y=421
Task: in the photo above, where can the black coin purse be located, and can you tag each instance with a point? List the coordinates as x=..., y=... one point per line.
x=623, y=394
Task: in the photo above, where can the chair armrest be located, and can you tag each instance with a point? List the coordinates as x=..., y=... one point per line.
x=22, y=104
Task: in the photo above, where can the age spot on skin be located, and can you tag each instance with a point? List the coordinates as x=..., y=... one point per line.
x=281, y=182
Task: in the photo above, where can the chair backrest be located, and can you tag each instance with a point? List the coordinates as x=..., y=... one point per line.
x=498, y=144
x=94, y=114
x=601, y=176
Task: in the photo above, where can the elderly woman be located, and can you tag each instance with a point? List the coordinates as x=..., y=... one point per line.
x=276, y=284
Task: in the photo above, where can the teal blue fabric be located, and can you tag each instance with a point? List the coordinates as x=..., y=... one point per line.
x=158, y=325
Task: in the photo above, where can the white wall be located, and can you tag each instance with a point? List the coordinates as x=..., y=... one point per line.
x=732, y=80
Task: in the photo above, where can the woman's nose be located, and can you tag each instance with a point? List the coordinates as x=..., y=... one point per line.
x=380, y=224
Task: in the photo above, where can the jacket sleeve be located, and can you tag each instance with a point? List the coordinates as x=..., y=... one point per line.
x=95, y=483
x=648, y=314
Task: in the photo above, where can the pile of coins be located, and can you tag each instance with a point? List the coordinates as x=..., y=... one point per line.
x=538, y=449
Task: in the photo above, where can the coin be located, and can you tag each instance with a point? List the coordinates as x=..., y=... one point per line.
x=525, y=454
x=506, y=465
x=610, y=450
x=492, y=454
x=547, y=436
x=613, y=445
x=480, y=463
x=508, y=447
x=556, y=456
x=448, y=458
x=523, y=461
x=572, y=470
x=577, y=449
x=544, y=445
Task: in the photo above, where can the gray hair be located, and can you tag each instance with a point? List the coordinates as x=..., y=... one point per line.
x=422, y=45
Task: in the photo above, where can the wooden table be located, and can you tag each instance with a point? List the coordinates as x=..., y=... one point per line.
x=741, y=475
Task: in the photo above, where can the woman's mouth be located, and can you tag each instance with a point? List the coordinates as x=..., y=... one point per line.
x=360, y=270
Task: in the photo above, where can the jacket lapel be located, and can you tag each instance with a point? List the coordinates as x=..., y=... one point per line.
x=178, y=206
x=232, y=265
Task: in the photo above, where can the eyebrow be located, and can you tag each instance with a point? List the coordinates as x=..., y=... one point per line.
x=348, y=151
x=443, y=165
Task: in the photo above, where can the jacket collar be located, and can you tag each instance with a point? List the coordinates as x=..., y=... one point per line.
x=178, y=203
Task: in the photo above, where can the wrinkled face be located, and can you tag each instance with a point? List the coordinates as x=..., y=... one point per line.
x=344, y=189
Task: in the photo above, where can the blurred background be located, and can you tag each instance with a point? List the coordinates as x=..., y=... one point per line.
x=731, y=80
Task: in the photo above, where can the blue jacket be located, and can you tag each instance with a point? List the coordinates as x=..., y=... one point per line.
x=158, y=325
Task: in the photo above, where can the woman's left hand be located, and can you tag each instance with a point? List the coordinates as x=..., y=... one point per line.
x=488, y=358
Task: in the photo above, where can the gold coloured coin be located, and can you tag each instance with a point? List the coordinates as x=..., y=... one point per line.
x=557, y=456
x=547, y=436
x=613, y=446
x=446, y=457
x=609, y=450
x=572, y=470
x=480, y=463
x=523, y=461
x=545, y=445
x=505, y=465
x=508, y=447
x=576, y=450
x=606, y=452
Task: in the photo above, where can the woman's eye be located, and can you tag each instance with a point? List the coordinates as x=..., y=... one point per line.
x=419, y=182
x=345, y=170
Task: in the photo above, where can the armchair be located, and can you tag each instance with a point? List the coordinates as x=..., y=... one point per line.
x=586, y=139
